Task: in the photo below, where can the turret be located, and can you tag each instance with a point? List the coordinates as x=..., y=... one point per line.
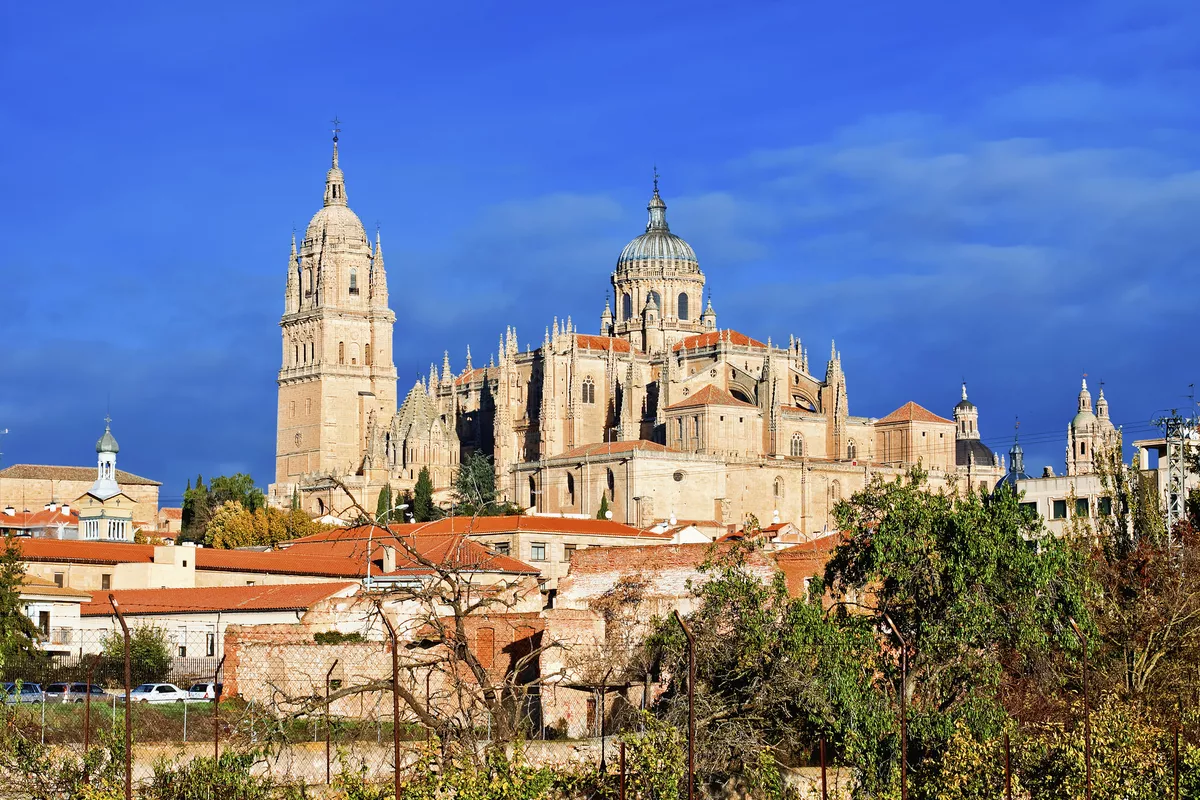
x=708, y=320
x=966, y=417
x=606, y=319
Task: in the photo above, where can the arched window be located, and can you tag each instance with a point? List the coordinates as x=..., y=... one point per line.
x=835, y=491
x=683, y=305
x=656, y=299
x=852, y=450
x=626, y=306
x=367, y=354
x=779, y=488
x=589, y=391
x=797, y=445
x=353, y=281
x=354, y=353
x=296, y=355
x=612, y=485
x=341, y=352
x=1083, y=448
x=532, y=492
x=570, y=489
x=680, y=421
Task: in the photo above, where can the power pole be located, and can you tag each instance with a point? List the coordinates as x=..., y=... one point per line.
x=1178, y=432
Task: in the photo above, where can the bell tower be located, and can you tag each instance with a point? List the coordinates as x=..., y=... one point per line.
x=337, y=374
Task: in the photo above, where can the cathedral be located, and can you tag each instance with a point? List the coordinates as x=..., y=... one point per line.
x=660, y=412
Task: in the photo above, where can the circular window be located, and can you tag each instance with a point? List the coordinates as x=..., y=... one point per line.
x=678, y=476
x=712, y=373
x=686, y=391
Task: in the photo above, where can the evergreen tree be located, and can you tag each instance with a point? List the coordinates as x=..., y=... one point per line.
x=17, y=631
x=296, y=499
x=475, y=485
x=423, y=508
x=603, y=512
x=197, y=510
x=383, y=506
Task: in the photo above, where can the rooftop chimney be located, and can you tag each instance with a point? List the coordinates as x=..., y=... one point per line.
x=9, y=511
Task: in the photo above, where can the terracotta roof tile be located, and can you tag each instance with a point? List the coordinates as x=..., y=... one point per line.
x=84, y=474
x=267, y=597
x=171, y=513
x=710, y=395
x=712, y=337
x=617, y=345
x=38, y=519
x=440, y=546
x=32, y=585
x=609, y=448
x=537, y=524
x=911, y=412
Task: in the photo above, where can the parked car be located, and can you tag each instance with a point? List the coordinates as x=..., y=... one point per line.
x=21, y=693
x=158, y=693
x=203, y=691
x=72, y=692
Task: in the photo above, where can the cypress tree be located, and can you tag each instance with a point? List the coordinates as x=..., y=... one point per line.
x=603, y=512
x=383, y=507
x=423, y=510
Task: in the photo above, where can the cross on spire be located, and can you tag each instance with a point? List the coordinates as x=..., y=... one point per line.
x=336, y=127
x=107, y=420
x=656, y=178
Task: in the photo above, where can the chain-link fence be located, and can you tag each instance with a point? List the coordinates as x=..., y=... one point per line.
x=309, y=711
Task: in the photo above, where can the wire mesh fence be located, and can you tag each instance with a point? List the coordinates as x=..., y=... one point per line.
x=309, y=711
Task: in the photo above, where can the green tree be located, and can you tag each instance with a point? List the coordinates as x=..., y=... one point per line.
x=773, y=674
x=296, y=499
x=602, y=513
x=196, y=511
x=149, y=652
x=383, y=506
x=239, y=488
x=18, y=634
x=423, y=508
x=956, y=579
x=475, y=485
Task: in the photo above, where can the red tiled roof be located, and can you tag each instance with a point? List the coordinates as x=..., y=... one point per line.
x=710, y=395
x=441, y=546
x=911, y=412
x=712, y=337
x=85, y=552
x=84, y=474
x=536, y=524
x=470, y=375
x=267, y=597
x=171, y=513
x=38, y=519
x=588, y=342
x=806, y=560
x=40, y=587
x=609, y=448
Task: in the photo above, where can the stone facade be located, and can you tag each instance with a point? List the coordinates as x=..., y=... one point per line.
x=662, y=412
x=34, y=486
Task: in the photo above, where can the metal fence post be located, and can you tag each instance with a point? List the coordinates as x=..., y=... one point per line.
x=328, y=776
x=621, y=790
x=128, y=717
x=87, y=715
x=217, y=712
x=691, y=684
x=824, y=786
x=395, y=703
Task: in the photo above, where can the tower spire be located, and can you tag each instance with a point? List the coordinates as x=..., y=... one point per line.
x=335, y=181
x=657, y=209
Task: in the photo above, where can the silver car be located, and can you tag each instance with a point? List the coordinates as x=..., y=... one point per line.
x=21, y=692
x=72, y=692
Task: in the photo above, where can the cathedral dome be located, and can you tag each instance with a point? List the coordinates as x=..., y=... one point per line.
x=658, y=244
x=336, y=222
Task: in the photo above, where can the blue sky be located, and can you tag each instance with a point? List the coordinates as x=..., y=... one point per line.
x=1008, y=193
